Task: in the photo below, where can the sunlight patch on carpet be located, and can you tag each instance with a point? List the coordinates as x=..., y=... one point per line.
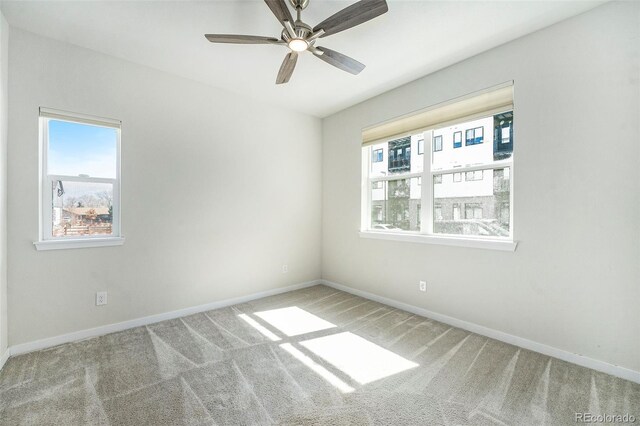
x=362, y=360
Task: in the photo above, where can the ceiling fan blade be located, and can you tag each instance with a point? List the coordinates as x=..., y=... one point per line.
x=287, y=67
x=353, y=15
x=280, y=9
x=241, y=39
x=339, y=60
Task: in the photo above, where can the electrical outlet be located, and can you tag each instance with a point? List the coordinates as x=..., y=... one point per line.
x=285, y=269
x=423, y=286
x=101, y=298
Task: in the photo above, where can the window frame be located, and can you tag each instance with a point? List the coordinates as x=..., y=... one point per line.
x=378, y=158
x=457, y=144
x=473, y=141
x=427, y=213
x=473, y=176
x=435, y=143
x=46, y=240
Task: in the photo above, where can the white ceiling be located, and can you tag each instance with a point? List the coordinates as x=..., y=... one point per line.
x=413, y=39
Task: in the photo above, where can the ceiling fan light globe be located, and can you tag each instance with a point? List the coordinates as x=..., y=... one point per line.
x=298, y=45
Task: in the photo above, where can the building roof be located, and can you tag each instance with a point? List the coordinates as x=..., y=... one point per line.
x=83, y=211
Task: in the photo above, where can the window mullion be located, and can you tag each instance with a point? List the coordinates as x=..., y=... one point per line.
x=462, y=169
x=396, y=177
x=426, y=212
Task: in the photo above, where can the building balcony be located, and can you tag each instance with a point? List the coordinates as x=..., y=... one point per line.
x=400, y=165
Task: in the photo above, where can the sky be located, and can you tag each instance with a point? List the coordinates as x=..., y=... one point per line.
x=76, y=149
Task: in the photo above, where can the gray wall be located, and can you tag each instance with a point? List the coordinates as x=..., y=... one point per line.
x=218, y=192
x=574, y=281
x=4, y=55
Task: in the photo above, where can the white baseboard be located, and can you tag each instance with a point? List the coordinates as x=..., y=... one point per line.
x=111, y=328
x=573, y=358
x=581, y=360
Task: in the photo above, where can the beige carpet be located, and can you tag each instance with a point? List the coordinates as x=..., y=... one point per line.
x=315, y=356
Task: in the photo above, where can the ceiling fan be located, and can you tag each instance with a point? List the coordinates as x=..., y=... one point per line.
x=300, y=37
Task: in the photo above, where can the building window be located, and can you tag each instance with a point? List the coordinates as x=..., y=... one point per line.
x=80, y=177
x=420, y=146
x=474, y=175
x=457, y=139
x=399, y=155
x=377, y=156
x=437, y=143
x=453, y=206
x=473, y=211
x=502, y=135
x=456, y=211
x=475, y=136
x=437, y=212
x=377, y=185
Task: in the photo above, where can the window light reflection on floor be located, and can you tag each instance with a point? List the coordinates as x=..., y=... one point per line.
x=317, y=368
x=362, y=360
x=294, y=321
x=253, y=323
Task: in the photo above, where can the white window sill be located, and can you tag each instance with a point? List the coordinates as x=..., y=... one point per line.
x=78, y=243
x=501, y=245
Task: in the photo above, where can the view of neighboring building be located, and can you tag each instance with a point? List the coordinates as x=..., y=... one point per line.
x=474, y=201
x=81, y=209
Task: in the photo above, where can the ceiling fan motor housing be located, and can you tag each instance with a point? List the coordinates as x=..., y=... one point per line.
x=302, y=31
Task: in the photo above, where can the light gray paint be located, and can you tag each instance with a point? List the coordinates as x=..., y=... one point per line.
x=413, y=39
x=4, y=52
x=573, y=282
x=218, y=193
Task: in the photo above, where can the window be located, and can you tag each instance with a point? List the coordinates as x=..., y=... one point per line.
x=475, y=136
x=469, y=195
x=505, y=135
x=473, y=211
x=456, y=211
x=437, y=143
x=437, y=212
x=457, y=139
x=399, y=155
x=475, y=175
x=377, y=156
x=420, y=146
x=502, y=135
x=80, y=180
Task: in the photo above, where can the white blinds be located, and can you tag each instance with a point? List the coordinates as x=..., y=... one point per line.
x=477, y=105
